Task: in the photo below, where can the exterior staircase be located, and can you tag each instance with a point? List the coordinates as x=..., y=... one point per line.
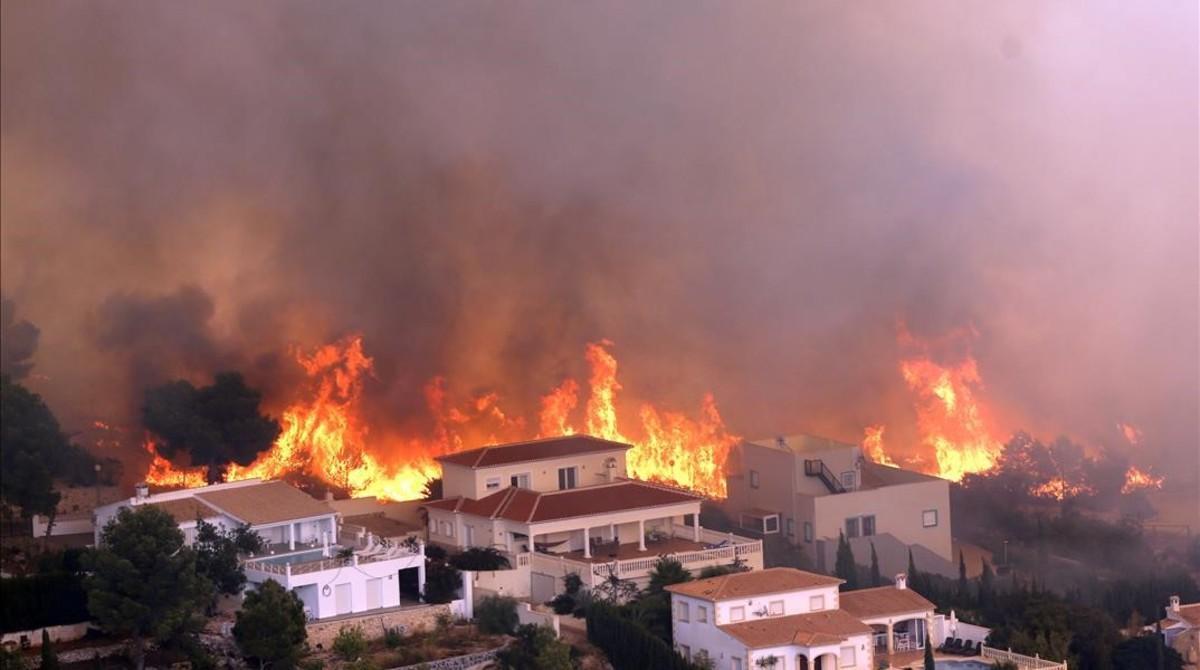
x=815, y=467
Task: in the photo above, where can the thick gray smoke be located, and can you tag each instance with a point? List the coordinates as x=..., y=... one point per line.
x=745, y=198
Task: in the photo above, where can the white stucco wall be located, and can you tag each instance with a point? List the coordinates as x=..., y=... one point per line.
x=543, y=474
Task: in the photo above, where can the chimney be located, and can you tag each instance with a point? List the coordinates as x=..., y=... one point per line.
x=141, y=491
x=328, y=495
x=781, y=442
x=902, y=581
x=610, y=472
x=1174, y=604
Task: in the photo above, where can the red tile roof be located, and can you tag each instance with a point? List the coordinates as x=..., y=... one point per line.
x=525, y=506
x=750, y=584
x=534, y=450
x=814, y=628
x=883, y=601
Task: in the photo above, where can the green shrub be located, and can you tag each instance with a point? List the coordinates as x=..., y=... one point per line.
x=481, y=559
x=393, y=638
x=563, y=604
x=628, y=645
x=350, y=643
x=312, y=664
x=497, y=615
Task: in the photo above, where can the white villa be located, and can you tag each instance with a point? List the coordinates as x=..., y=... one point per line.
x=565, y=505
x=810, y=489
x=1181, y=630
x=307, y=549
x=789, y=619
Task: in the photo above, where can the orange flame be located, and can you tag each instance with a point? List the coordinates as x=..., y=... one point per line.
x=949, y=417
x=1136, y=479
x=325, y=437
x=163, y=473
x=873, y=444
x=1059, y=489
x=556, y=409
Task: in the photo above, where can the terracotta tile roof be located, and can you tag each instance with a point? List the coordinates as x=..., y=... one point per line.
x=814, y=628
x=1190, y=613
x=525, y=506
x=186, y=509
x=534, y=450
x=755, y=583
x=268, y=502
x=380, y=525
x=883, y=601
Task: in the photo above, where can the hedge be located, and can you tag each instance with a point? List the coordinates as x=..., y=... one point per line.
x=628, y=645
x=42, y=600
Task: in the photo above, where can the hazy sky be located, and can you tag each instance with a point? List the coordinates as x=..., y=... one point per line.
x=744, y=197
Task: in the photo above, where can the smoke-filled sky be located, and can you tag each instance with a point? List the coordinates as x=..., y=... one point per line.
x=745, y=197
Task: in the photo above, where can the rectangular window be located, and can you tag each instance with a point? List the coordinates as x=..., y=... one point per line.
x=849, y=479
x=736, y=664
x=520, y=481
x=776, y=608
x=808, y=531
x=754, y=479
x=566, y=478
x=701, y=614
x=929, y=518
x=791, y=527
x=816, y=603
x=852, y=527
x=737, y=614
x=681, y=613
x=492, y=484
x=868, y=525
x=433, y=526
x=846, y=658
x=771, y=524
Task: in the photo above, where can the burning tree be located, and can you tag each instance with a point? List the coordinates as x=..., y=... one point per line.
x=216, y=425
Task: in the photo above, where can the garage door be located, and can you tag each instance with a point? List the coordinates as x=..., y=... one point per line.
x=374, y=594
x=345, y=602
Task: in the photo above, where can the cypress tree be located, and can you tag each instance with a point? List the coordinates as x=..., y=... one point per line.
x=876, y=578
x=985, y=585
x=914, y=577
x=49, y=657
x=845, y=567
x=964, y=592
x=929, y=664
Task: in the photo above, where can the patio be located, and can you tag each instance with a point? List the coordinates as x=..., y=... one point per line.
x=607, y=552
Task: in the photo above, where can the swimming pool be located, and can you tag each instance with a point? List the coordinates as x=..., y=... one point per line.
x=299, y=557
x=962, y=665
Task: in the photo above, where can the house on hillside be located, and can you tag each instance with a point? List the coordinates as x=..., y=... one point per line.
x=1181, y=629
x=305, y=550
x=789, y=619
x=809, y=489
x=566, y=505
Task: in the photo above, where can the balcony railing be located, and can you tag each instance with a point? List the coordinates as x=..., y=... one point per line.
x=732, y=547
x=1020, y=660
x=301, y=567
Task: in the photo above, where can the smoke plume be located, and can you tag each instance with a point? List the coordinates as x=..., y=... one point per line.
x=744, y=198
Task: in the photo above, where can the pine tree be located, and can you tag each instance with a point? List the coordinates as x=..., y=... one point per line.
x=876, y=578
x=845, y=567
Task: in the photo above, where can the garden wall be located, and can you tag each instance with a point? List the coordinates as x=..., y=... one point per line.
x=373, y=624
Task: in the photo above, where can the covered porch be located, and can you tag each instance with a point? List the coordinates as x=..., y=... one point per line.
x=900, y=635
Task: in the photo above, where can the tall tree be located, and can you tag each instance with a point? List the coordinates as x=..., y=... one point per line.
x=844, y=567
x=217, y=551
x=49, y=655
x=667, y=571
x=216, y=425
x=143, y=580
x=986, y=585
x=18, y=342
x=929, y=664
x=31, y=449
x=270, y=627
x=876, y=577
x=914, y=577
x=964, y=589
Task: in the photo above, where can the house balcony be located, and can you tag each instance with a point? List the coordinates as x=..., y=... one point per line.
x=328, y=558
x=629, y=561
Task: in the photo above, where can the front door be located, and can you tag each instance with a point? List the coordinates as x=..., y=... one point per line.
x=343, y=599
x=374, y=593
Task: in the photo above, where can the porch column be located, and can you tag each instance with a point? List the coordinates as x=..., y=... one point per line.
x=695, y=528
x=641, y=535
x=291, y=536
x=889, y=638
x=587, y=543
x=508, y=541
x=612, y=532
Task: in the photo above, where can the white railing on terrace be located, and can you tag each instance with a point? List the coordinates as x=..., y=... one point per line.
x=559, y=566
x=317, y=565
x=1020, y=660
